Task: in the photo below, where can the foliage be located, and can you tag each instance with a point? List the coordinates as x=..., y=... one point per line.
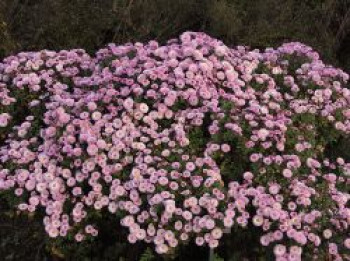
x=62, y=24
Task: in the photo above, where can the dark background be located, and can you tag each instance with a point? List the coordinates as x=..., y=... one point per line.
x=90, y=24
x=27, y=25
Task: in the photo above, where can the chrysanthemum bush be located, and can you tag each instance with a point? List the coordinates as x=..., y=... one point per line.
x=181, y=142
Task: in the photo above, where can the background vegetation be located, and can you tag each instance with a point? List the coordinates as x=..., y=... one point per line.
x=90, y=24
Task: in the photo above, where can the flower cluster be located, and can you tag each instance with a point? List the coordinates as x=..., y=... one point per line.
x=180, y=142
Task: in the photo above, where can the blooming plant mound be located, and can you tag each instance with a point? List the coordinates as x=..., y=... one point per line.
x=180, y=142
